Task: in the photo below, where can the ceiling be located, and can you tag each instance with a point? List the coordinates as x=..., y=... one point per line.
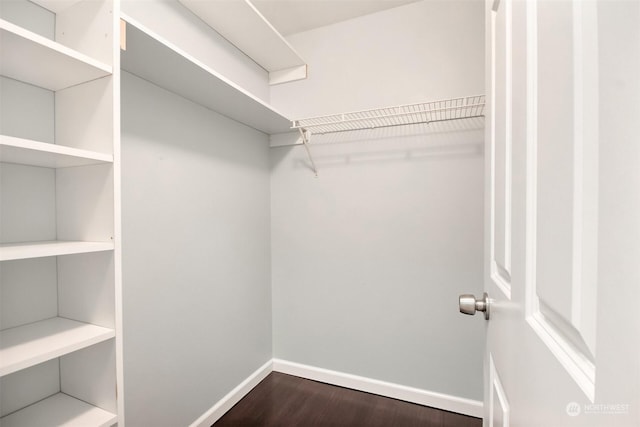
x=294, y=16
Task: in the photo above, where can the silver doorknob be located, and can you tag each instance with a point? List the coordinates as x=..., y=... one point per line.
x=469, y=304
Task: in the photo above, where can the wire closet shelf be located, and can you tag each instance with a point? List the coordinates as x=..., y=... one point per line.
x=467, y=107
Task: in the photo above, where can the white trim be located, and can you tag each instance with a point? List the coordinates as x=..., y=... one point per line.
x=233, y=397
x=446, y=402
x=436, y=400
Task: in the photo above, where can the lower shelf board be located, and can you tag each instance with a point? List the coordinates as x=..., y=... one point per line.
x=25, y=346
x=13, y=251
x=46, y=155
x=60, y=410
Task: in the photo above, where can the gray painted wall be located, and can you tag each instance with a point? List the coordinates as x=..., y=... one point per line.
x=369, y=258
x=429, y=50
x=196, y=262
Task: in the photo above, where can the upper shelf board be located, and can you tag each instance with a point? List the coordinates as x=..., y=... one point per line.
x=154, y=59
x=33, y=59
x=248, y=30
x=42, y=154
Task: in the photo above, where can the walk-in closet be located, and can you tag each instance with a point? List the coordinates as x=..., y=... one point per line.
x=196, y=194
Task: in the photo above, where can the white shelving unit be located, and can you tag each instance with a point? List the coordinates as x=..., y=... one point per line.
x=60, y=351
x=159, y=61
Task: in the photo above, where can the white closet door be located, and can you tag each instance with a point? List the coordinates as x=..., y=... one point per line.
x=563, y=214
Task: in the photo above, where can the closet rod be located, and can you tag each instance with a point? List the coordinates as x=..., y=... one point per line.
x=468, y=107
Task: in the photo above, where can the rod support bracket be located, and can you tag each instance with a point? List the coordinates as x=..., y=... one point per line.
x=305, y=135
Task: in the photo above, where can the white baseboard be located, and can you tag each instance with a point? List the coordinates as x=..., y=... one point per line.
x=446, y=402
x=233, y=397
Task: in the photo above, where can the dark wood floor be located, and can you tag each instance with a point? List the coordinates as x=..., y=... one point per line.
x=284, y=400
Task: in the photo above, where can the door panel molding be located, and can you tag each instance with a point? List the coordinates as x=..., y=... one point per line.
x=586, y=172
x=568, y=332
x=498, y=403
x=501, y=145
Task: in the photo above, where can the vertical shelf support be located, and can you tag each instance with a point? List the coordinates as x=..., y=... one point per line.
x=306, y=138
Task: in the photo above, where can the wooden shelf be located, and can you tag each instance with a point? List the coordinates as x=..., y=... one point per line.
x=246, y=28
x=60, y=410
x=34, y=343
x=36, y=60
x=156, y=60
x=12, y=251
x=35, y=153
